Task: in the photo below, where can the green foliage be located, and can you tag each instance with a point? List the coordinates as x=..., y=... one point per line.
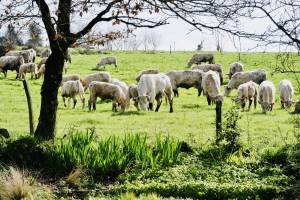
x=197, y=179
x=273, y=155
x=231, y=132
x=12, y=37
x=110, y=157
x=35, y=34
x=25, y=151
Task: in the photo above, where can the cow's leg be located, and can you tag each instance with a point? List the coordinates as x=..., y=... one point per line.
x=89, y=104
x=64, y=100
x=175, y=91
x=282, y=104
x=69, y=101
x=250, y=103
x=208, y=100
x=74, y=102
x=199, y=91
x=171, y=104
x=159, y=101
x=255, y=101
x=150, y=105
x=271, y=107
x=94, y=105
x=114, y=106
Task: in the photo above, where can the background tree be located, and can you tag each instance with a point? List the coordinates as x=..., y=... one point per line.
x=153, y=40
x=35, y=34
x=219, y=41
x=145, y=41
x=12, y=38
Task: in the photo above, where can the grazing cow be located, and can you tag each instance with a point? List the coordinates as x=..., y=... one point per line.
x=147, y=71
x=211, y=86
x=124, y=88
x=199, y=58
x=26, y=54
x=73, y=77
x=266, y=96
x=106, y=91
x=234, y=68
x=28, y=68
x=11, y=63
x=152, y=87
x=286, y=91
x=107, y=61
x=70, y=89
x=247, y=91
x=133, y=94
x=185, y=79
x=257, y=76
x=213, y=67
x=100, y=76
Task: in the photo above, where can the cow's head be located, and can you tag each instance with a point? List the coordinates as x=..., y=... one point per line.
x=143, y=102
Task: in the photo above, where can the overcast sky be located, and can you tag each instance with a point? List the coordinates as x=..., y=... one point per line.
x=178, y=34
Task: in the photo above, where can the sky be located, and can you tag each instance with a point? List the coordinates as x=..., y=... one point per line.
x=178, y=34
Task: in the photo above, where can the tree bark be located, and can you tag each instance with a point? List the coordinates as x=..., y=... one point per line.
x=52, y=79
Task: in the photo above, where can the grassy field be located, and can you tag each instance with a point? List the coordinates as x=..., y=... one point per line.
x=265, y=167
x=192, y=118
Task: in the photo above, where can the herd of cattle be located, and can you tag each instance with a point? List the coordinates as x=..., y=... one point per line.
x=152, y=85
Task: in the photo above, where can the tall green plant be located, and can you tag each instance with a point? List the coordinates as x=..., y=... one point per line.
x=110, y=157
x=231, y=132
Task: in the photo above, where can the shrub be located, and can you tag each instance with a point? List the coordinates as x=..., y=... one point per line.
x=274, y=155
x=231, y=132
x=25, y=151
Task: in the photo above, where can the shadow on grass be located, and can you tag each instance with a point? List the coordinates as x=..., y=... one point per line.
x=104, y=101
x=127, y=113
x=191, y=106
x=101, y=69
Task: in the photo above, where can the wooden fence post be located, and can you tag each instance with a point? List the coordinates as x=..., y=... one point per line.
x=218, y=119
x=28, y=97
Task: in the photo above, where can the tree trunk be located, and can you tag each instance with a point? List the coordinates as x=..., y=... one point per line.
x=52, y=79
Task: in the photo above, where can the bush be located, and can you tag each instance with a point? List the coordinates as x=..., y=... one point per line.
x=25, y=151
x=230, y=134
x=279, y=156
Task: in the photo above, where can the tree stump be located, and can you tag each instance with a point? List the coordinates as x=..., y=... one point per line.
x=297, y=107
x=4, y=132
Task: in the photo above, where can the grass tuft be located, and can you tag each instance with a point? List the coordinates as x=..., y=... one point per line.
x=74, y=177
x=14, y=184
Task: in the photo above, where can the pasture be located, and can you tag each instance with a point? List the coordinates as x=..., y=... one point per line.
x=129, y=167
x=192, y=117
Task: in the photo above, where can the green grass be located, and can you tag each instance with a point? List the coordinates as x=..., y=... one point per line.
x=192, y=119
